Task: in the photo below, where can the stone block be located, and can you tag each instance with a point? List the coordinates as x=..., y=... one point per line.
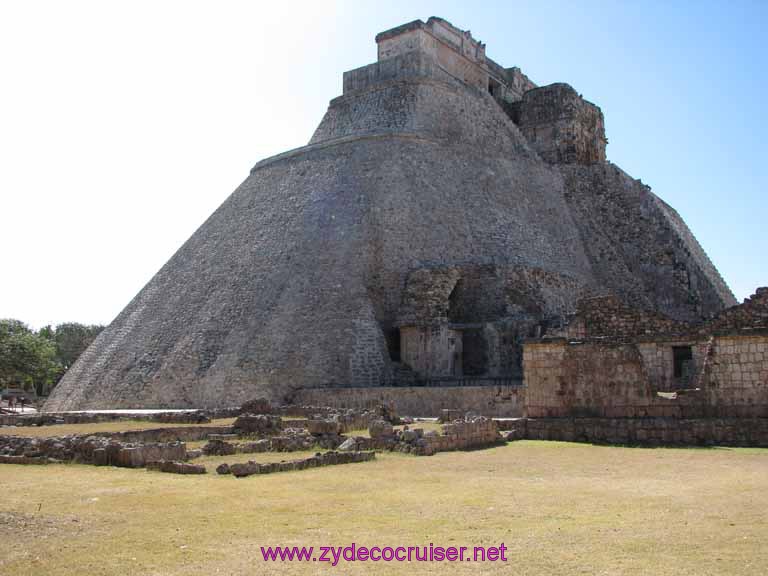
x=381, y=429
x=321, y=427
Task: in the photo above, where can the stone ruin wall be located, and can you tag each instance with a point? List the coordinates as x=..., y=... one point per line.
x=401, y=68
x=561, y=126
x=463, y=435
x=737, y=376
x=649, y=431
x=423, y=401
x=457, y=321
x=99, y=450
x=432, y=351
x=424, y=106
x=752, y=314
x=625, y=358
x=600, y=380
x=557, y=122
x=608, y=315
x=454, y=50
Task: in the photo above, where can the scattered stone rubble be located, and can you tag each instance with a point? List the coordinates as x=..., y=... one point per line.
x=287, y=440
x=468, y=433
x=348, y=418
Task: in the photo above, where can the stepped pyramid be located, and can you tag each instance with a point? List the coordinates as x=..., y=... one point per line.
x=444, y=209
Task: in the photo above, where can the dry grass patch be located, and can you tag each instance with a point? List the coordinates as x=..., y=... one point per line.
x=560, y=508
x=94, y=428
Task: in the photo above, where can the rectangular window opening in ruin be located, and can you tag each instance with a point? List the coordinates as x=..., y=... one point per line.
x=393, y=344
x=494, y=87
x=682, y=357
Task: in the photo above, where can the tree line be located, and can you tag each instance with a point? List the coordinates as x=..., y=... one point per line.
x=36, y=360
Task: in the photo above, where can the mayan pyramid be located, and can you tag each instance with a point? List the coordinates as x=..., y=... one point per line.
x=444, y=209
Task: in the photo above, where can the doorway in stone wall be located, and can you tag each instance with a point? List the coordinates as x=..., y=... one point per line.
x=682, y=365
x=474, y=347
x=474, y=355
x=393, y=344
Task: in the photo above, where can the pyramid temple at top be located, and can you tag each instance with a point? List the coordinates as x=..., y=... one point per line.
x=445, y=209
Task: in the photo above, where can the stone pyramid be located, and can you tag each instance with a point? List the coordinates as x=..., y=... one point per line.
x=445, y=209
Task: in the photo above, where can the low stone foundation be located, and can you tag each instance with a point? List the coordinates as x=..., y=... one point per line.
x=244, y=469
x=648, y=431
x=289, y=440
x=260, y=425
x=172, y=467
x=138, y=456
x=464, y=434
x=180, y=434
x=98, y=450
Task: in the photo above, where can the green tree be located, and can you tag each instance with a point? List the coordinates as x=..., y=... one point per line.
x=27, y=360
x=72, y=339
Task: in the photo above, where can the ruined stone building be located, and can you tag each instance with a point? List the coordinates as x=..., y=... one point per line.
x=614, y=361
x=445, y=210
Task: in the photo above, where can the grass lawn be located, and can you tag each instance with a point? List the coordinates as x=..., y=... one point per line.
x=116, y=426
x=561, y=509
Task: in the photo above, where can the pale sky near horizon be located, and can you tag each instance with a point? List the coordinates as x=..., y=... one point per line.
x=124, y=125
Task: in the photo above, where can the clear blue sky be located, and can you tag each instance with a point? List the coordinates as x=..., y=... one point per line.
x=124, y=125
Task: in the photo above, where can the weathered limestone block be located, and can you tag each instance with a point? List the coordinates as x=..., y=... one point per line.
x=216, y=447
x=258, y=424
x=561, y=126
x=139, y=455
x=262, y=445
x=243, y=469
x=381, y=429
x=292, y=440
x=319, y=427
